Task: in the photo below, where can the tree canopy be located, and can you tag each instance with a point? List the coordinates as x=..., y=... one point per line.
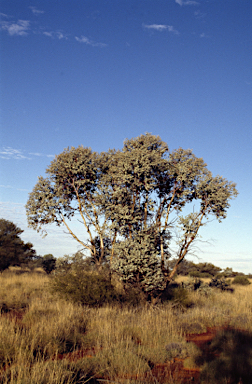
x=13, y=250
x=129, y=197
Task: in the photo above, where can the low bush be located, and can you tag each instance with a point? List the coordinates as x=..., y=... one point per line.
x=84, y=287
x=221, y=284
x=178, y=295
x=197, y=285
x=241, y=280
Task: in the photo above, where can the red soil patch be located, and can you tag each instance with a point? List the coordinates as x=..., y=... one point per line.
x=76, y=355
x=203, y=339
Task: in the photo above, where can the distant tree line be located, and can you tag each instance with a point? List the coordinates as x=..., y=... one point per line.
x=15, y=252
x=204, y=270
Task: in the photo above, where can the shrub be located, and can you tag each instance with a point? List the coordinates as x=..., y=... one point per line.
x=220, y=284
x=137, y=264
x=241, y=280
x=84, y=287
x=48, y=263
x=178, y=295
x=197, y=285
x=175, y=350
x=131, y=297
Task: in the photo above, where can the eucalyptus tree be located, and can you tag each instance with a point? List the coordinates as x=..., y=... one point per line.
x=126, y=196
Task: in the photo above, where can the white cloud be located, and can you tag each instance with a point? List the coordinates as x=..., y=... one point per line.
x=36, y=11
x=35, y=153
x=6, y=186
x=161, y=27
x=49, y=34
x=86, y=40
x=11, y=153
x=10, y=187
x=157, y=27
x=20, y=28
x=39, y=154
x=204, y=36
x=59, y=35
x=186, y=2
x=199, y=15
x=83, y=39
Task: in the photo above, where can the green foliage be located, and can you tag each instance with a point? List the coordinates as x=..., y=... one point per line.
x=118, y=194
x=200, y=270
x=241, y=280
x=70, y=188
x=13, y=250
x=76, y=280
x=200, y=274
x=137, y=264
x=48, y=263
x=178, y=294
x=84, y=288
x=221, y=284
x=228, y=272
x=197, y=285
x=131, y=178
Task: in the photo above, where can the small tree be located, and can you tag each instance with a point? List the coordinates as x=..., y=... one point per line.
x=48, y=263
x=137, y=264
x=13, y=250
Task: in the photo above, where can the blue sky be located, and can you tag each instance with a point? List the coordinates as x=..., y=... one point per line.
x=95, y=72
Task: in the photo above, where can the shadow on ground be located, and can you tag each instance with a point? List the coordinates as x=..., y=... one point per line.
x=227, y=358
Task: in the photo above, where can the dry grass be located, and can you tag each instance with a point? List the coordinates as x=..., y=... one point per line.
x=126, y=342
